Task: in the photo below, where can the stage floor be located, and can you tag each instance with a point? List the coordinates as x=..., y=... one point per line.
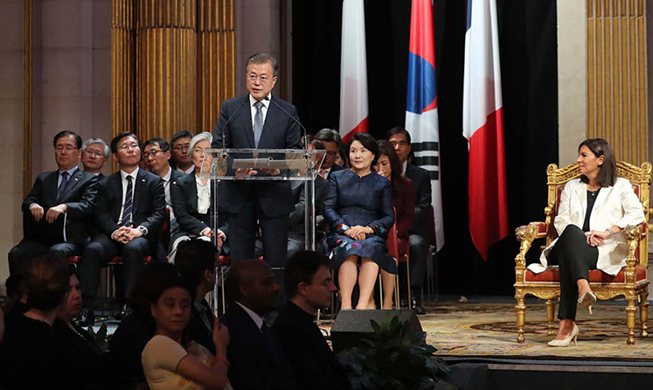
x=488, y=330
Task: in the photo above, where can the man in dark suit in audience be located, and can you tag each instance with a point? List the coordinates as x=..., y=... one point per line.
x=331, y=141
x=57, y=209
x=307, y=281
x=180, y=142
x=130, y=211
x=296, y=234
x=256, y=356
x=418, y=242
x=95, y=153
x=258, y=120
x=156, y=153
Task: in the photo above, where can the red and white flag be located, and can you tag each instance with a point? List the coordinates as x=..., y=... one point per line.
x=483, y=127
x=353, y=71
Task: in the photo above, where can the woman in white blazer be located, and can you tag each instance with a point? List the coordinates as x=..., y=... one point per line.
x=593, y=211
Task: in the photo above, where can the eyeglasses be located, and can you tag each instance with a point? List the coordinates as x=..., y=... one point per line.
x=262, y=78
x=92, y=153
x=60, y=148
x=151, y=153
x=132, y=145
x=181, y=148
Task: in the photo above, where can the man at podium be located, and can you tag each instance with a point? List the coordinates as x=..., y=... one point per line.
x=258, y=120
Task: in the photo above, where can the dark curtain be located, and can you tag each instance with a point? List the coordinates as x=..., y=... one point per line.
x=527, y=39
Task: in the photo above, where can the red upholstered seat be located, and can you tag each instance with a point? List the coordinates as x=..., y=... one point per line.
x=552, y=274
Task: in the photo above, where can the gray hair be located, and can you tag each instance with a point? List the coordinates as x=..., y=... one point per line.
x=97, y=141
x=262, y=58
x=203, y=136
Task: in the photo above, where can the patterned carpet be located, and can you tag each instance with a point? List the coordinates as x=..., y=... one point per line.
x=489, y=330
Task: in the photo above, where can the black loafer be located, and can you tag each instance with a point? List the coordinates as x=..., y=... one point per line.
x=417, y=307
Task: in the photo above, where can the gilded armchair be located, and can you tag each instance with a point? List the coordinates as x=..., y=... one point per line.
x=631, y=282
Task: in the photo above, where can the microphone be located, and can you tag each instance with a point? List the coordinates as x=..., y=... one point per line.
x=224, y=142
x=305, y=143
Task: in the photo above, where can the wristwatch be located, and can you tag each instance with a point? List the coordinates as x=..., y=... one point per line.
x=611, y=231
x=143, y=230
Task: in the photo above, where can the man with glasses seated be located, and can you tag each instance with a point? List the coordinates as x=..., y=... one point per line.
x=180, y=142
x=57, y=209
x=331, y=141
x=95, y=153
x=130, y=211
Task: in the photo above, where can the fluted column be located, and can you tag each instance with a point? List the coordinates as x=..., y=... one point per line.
x=215, y=60
x=165, y=67
x=122, y=66
x=616, y=70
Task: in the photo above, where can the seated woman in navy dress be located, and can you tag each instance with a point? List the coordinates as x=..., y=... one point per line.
x=358, y=205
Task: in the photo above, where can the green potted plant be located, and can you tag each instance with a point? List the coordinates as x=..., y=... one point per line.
x=394, y=358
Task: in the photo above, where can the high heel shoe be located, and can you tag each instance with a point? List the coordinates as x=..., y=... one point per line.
x=565, y=342
x=587, y=300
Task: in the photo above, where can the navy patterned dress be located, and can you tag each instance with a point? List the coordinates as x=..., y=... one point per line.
x=352, y=200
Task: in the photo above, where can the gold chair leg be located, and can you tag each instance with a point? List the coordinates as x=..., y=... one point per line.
x=521, y=317
x=643, y=312
x=630, y=311
x=550, y=312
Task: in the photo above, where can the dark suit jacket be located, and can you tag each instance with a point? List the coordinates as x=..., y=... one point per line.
x=422, y=184
x=79, y=194
x=312, y=361
x=149, y=204
x=280, y=131
x=335, y=168
x=183, y=192
x=254, y=365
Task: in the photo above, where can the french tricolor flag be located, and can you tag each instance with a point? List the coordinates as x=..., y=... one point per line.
x=353, y=71
x=422, y=104
x=483, y=127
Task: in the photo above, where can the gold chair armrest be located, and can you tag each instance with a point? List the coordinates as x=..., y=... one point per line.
x=633, y=235
x=526, y=234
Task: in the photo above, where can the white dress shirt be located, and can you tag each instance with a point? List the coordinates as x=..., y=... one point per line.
x=203, y=195
x=255, y=317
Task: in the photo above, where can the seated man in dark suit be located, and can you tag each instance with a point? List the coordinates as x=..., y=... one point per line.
x=57, y=209
x=95, y=153
x=256, y=356
x=130, y=211
x=331, y=141
x=418, y=242
x=307, y=281
x=296, y=233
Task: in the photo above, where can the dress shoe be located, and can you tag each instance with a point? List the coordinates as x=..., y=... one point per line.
x=587, y=300
x=85, y=318
x=417, y=307
x=565, y=342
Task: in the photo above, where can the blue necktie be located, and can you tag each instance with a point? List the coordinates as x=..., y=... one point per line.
x=258, y=123
x=127, y=206
x=62, y=185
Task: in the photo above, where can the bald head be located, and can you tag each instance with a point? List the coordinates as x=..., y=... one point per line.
x=251, y=283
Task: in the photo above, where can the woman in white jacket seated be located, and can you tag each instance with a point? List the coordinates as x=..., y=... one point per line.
x=593, y=211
